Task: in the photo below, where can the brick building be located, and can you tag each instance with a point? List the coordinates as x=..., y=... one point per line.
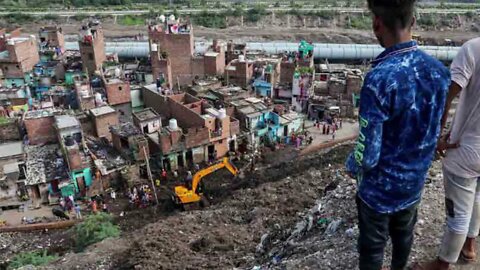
x=92, y=48
x=70, y=137
x=9, y=130
x=172, y=54
x=119, y=98
x=129, y=141
x=147, y=121
x=40, y=127
x=103, y=118
x=195, y=132
x=52, y=38
x=239, y=72
x=234, y=51
x=84, y=95
x=18, y=54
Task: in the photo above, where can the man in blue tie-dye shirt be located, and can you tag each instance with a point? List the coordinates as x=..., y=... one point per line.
x=401, y=106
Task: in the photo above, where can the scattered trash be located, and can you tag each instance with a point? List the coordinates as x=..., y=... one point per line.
x=333, y=227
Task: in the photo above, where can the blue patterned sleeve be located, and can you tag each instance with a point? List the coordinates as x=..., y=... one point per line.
x=373, y=112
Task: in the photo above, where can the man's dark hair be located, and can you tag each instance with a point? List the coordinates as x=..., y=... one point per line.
x=395, y=14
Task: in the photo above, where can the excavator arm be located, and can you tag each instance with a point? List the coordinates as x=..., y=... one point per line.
x=186, y=195
x=204, y=172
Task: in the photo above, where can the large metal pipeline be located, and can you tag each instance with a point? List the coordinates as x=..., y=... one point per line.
x=322, y=50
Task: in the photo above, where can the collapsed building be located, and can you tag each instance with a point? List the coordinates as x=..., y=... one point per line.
x=195, y=132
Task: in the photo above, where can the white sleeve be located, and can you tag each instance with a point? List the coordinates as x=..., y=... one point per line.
x=463, y=66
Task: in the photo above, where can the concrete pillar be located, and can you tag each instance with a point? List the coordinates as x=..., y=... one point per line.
x=68, y=19
x=273, y=18
x=115, y=19
x=304, y=22
x=288, y=21
x=241, y=20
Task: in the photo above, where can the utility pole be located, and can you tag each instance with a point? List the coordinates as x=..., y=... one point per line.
x=149, y=172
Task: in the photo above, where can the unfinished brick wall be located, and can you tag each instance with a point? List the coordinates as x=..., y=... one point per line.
x=168, y=107
x=74, y=159
x=54, y=37
x=180, y=49
x=221, y=147
x=234, y=127
x=161, y=66
x=103, y=123
x=23, y=56
x=242, y=74
x=41, y=130
x=118, y=92
x=198, y=69
x=9, y=132
x=93, y=54
x=196, y=136
x=287, y=71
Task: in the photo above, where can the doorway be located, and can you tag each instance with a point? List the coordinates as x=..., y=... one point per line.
x=180, y=161
x=189, y=157
x=166, y=164
x=285, y=131
x=80, y=183
x=231, y=146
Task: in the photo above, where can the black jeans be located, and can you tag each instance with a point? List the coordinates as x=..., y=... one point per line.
x=375, y=228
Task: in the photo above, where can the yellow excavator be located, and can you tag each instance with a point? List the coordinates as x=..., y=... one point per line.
x=185, y=196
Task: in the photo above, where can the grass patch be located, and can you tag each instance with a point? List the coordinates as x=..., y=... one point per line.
x=94, y=229
x=36, y=258
x=131, y=20
x=210, y=20
x=359, y=22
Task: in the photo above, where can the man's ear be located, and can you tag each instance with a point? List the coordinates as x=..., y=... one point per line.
x=414, y=21
x=377, y=24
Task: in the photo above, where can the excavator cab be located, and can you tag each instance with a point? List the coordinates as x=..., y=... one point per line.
x=185, y=196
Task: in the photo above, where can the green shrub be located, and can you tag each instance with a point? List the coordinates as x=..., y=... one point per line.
x=359, y=22
x=426, y=20
x=210, y=20
x=36, y=258
x=19, y=18
x=131, y=20
x=94, y=229
x=256, y=13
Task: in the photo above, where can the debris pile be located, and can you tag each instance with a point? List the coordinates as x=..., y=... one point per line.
x=325, y=236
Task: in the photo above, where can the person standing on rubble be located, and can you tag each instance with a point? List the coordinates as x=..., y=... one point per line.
x=461, y=166
x=402, y=102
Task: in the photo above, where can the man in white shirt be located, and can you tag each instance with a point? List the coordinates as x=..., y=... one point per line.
x=461, y=165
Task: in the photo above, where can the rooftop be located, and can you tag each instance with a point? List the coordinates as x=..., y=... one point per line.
x=39, y=113
x=66, y=121
x=44, y=164
x=146, y=114
x=125, y=130
x=102, y=111
x=11, y=149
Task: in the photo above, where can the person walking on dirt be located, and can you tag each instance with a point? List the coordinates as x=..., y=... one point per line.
x=78, y=213
x=164, y=175
x=324, y=129
x=402, y=102
x=461, y=166
x=94, y=206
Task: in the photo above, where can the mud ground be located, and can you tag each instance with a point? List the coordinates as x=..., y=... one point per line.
x=225, y=235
